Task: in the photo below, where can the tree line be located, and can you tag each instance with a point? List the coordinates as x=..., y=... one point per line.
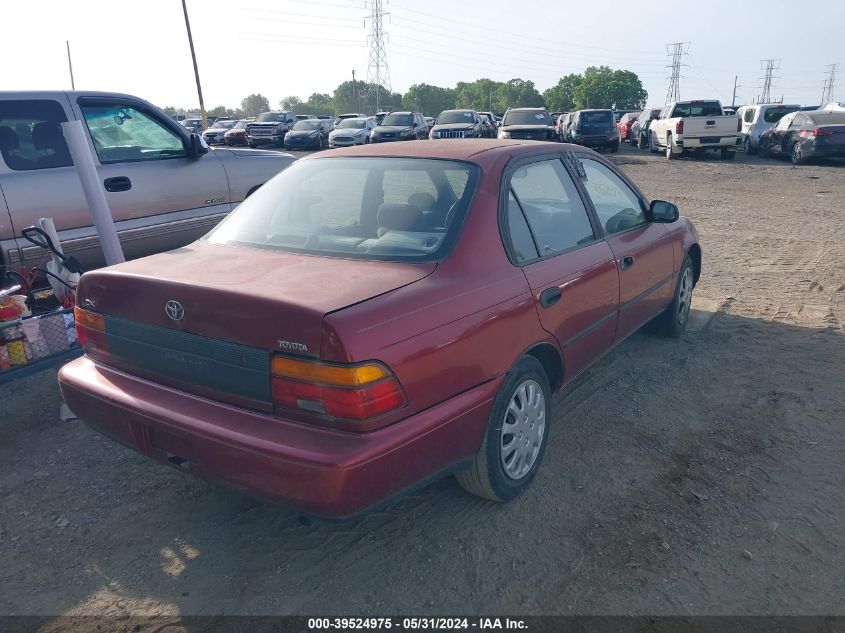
x=597, y=87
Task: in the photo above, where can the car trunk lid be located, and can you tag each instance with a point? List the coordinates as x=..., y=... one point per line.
x=207, y=318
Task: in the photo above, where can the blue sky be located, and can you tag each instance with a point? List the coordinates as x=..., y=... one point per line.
x=296, y=47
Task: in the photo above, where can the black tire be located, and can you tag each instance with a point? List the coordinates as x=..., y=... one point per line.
x=762, y=152
x=652, y=143
x=673, y=321
x=486, y=477
x=749, y=150
x=728, y=154
x=670, y=155
x=797, y=155
x=614, y=148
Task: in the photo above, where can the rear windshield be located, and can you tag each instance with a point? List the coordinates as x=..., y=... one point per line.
x=697, y=108
x=454, y=116
x=527, y=117
x=833, y=118
x=773, y=115
x=398, y=119
x=600, y=119
x=398, y=209
x=271, y=116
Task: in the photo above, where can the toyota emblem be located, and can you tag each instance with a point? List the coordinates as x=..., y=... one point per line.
x=174, y=310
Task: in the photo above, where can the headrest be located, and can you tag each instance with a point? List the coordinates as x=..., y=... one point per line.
x=47, y=135
x=8, y=138
x=399, y=217
x=423, y=200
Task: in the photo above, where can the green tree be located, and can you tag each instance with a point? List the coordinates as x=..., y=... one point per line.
x=561, y=96
x=292, y=103
x=219, y=111
x=603, y=87
x=255, y=104
x=362, y=98
x=517, y=93
x=430, y=100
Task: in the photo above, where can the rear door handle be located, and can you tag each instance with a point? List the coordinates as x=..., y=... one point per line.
x=118, y=183
x=550, y=296
x=626, y=262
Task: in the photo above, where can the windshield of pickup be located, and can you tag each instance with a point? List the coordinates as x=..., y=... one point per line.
x=398, y=119
x=697, y=108
x=355, y=124
x=527, y=117
x=271, y=117
x=407, y=209
x=308, y=124
x=455, y=116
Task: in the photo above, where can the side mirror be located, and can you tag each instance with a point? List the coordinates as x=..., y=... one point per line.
x=196, y=147
x=662, y=211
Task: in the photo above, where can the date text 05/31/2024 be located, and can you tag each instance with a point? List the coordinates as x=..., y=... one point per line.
x=414, y=624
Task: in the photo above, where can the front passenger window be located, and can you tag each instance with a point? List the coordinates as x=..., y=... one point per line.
x=616, y=204
x=122, y=133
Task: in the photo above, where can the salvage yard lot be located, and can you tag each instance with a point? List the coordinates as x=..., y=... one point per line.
x=683, y=477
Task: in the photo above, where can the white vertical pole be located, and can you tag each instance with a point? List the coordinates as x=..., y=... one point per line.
x=77, y=143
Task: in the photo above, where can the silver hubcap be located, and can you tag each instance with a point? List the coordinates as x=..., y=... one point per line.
x=685, y=295
x=668, y=148
x=523, y=429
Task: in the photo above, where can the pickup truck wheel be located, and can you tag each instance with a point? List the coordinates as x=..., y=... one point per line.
x=516, y=436
x=728, y=154
x=652, y=143
x=797, y=155
x=669, y=154
x=673, y=321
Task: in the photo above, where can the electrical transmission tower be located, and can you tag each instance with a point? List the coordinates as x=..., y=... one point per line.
x=769, y=66
x=676, y=51
x=378, y=73
x=830, y=80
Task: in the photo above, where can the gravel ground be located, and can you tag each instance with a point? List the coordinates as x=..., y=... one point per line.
x=699, y=476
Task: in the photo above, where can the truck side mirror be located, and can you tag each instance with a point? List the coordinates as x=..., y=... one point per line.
x=196, y=147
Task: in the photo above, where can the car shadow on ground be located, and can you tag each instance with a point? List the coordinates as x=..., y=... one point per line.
x=682, y=477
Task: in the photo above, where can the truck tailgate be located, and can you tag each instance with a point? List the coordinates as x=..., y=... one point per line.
x=711, y=126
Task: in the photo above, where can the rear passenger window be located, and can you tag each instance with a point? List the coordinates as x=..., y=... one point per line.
x=616, y=204
x=521, y=241
x=31, y=135
x=551, y=205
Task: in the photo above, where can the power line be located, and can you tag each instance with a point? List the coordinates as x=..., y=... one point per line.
x=768, y=66
x=829, y=82
x=378, y=73
x=677, y=52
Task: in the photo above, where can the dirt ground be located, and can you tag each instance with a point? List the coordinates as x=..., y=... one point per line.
x=699, y=476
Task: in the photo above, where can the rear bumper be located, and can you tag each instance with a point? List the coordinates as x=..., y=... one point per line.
x=824, y=151
x=702, y=142
x=321, y=471
x=602, y=141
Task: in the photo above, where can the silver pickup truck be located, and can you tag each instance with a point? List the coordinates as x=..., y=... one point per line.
x=164, y=185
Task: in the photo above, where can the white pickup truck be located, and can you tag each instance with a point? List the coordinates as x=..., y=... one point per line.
x=697, y=126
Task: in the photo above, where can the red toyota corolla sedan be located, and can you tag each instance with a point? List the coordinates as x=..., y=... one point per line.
x=379, y=317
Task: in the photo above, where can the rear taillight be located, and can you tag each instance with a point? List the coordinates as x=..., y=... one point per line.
x=821, y=132
x=350, y=392
x=679, y=127
x=91, y=331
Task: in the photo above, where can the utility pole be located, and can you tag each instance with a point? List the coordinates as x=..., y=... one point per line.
x=70, y=65
x=829, y=82
x=676, y=51
x=354, y=92
x=196, y=70
x=768, y=66
x=733, y=99
x=377, y=70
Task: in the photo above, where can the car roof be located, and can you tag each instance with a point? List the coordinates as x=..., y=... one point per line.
x=479, y=151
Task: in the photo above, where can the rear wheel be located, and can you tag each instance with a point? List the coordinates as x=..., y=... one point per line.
x=747, y=146
x=516, y=435
x=762, y=152
x=797, y=155
x=674, y=319
x=669, y=154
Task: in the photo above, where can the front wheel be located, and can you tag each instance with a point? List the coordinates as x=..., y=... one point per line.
x=762, y=152
x=516, y=436
x=747, y=146
x=673, y=321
